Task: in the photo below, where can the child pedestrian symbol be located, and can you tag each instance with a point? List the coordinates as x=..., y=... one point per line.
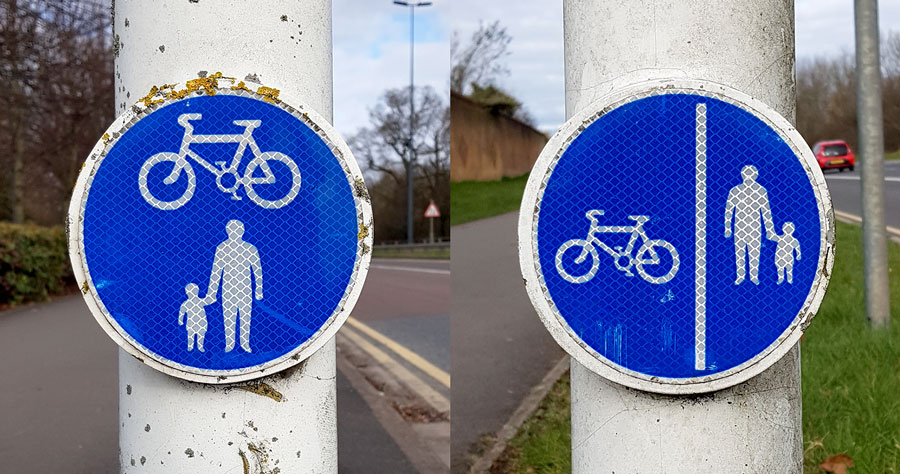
x=195, y=311
x=784, y=253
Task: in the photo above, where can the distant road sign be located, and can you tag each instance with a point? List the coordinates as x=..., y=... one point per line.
x=220, y=234
x=695, y=256
x=432, y=210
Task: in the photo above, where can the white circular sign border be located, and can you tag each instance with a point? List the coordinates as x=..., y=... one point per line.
x=540, y=296
x=74, y=237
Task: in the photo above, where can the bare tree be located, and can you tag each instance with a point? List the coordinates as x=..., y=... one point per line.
x=890, y=63
x=56, y=63
x=383, y=150
x=479, y=61
x=826, y=96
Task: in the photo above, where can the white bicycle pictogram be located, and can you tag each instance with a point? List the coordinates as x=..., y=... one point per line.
x=180, y=162
x=647, y=254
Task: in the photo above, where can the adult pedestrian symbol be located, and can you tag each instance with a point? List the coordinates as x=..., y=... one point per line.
x=674, y=236
x=220, y=232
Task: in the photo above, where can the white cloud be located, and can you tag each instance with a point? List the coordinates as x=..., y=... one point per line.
x=371, y=54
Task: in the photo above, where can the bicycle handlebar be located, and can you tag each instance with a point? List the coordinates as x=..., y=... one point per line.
x=250, y=124
x=183, y=119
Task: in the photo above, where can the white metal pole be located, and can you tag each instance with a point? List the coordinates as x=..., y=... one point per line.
x=754, y=426
x=285, y=422
x=871, y=164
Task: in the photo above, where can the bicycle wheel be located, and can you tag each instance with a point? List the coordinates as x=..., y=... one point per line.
x=263, y=160
x=175, y=174
x=641, y=259
x=585, y=246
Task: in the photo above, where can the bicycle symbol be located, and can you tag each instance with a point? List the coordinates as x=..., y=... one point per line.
x=647, y=254
x=180, y=162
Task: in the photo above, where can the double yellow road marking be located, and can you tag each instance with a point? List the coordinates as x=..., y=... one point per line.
x=354, y=330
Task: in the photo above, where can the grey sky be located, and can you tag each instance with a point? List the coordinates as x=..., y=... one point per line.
x=823, y=28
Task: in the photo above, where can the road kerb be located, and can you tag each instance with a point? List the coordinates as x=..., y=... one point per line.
x=483, y=464
x=410, y=442
x=415, y=359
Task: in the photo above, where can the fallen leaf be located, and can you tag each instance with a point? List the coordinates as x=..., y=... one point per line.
x=837, y=464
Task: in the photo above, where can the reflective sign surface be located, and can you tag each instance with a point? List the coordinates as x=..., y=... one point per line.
x=677, y=237
x=221, y=235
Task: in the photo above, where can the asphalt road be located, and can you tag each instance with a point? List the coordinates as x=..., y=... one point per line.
x=845, y=191
x=59, y=398
x=500, y=348
x=409, y=301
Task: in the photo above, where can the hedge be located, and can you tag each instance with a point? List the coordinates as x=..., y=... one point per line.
x=34, y=263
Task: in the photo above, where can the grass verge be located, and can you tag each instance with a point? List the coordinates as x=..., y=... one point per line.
x=894, y=155
x=473, y=200
x=542, y=442
x=434, y=254
x=851, y=383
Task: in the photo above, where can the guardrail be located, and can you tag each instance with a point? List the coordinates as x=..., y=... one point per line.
x=436, y=250
x=417, y=246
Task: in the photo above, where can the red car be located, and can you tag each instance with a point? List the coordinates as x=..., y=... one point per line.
x=834, y=154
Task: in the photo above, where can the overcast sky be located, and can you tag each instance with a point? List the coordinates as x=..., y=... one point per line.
x=371, y=54
x=823, y=28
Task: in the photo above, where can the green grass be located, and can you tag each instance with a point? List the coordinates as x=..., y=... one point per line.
x=851, y=373
x=894, y=155
x=542, y=443
x=851, y=383
x=434, y=254
x=473, y=200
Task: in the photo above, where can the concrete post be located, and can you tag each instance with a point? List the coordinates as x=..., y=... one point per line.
x=285, y=422
x=871, y=164
x=754, y=426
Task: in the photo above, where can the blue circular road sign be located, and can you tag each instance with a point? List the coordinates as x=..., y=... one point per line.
x=220, y=234
x=676, y=237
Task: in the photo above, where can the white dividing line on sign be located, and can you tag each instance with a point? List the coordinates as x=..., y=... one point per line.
x=700, y=259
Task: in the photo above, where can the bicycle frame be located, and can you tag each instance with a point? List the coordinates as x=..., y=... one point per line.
x=243, y=140
x=636, y=231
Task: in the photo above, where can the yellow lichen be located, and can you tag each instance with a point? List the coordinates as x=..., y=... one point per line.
x=148, y=99
x=363, y=231
x=240, y=86
x=269, y=94
x=263, y=389
x=208, y=85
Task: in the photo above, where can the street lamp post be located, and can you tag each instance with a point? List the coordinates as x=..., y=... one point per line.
x=409, y=143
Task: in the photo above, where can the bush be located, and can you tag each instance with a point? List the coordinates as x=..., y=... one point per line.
x=34, y=263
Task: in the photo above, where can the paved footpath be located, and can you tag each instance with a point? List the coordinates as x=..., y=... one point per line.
x=499, y=347
x=59, y=396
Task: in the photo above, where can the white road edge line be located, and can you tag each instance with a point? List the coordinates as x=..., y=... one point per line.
x=411, y=269
x=890, y=179
x=894, y=233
